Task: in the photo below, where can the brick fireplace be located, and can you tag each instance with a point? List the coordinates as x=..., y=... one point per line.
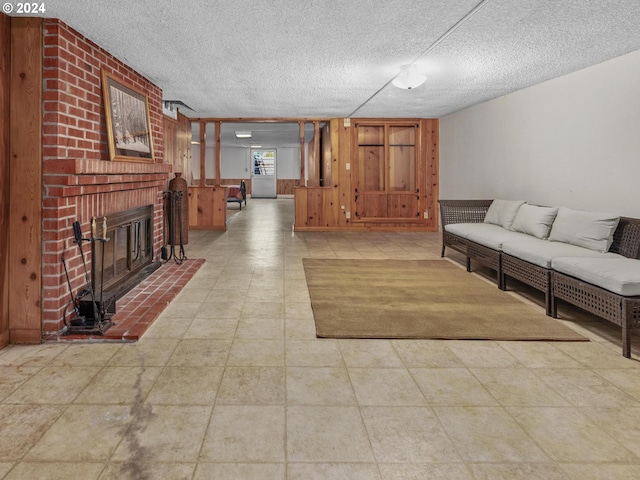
x=79, y=181
x=126, y=255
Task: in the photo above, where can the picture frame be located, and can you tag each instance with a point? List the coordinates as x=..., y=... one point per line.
x=128, y=120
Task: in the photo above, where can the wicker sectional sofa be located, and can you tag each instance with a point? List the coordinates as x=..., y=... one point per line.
x=588, y=259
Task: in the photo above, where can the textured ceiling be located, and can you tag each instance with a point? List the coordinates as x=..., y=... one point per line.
x=335, y=58
x=332, y=58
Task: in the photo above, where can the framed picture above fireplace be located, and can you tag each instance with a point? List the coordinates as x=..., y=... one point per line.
x=128, y=121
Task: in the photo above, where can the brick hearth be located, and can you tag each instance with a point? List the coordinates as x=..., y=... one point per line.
x=137, y=310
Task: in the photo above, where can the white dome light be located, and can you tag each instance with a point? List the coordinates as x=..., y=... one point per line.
x=409, y=78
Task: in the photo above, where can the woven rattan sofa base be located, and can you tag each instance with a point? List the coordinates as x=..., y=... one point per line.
x=485, y=256
x=454, y=242
x=533, y=275
x=460, y=211
x=623, y=311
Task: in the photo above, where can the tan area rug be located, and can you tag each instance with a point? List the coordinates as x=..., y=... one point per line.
x=419, y=299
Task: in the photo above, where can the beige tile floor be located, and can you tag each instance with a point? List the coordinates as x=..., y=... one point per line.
x=231, y=383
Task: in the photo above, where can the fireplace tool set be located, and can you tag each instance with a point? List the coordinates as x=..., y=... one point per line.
x=92, y=313
x=174, y=199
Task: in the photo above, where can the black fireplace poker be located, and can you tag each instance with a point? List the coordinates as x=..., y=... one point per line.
x=96, y=319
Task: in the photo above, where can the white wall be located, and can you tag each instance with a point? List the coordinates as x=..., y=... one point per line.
x=288, y=162
x=235, y=162
x=572, y=141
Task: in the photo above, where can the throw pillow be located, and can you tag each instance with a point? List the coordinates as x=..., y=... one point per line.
x=534, y=220
x=584, y=229
x=502, y=212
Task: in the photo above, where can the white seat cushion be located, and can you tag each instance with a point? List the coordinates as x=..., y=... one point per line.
x=619, y=275
x=459, y=229
x=542, y=252
x=486, y=234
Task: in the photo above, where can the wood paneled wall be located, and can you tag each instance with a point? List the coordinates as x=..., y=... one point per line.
x=208, y=208
x=177, y=144
x=325, y=155
x=286, y=186
x=25, y=217
x=5, y=75
x=431, y=153
x=332, y=206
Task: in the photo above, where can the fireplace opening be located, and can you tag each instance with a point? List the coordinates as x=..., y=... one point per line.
x=126, y=259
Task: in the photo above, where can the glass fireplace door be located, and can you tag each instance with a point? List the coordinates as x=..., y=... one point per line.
x=128, y=250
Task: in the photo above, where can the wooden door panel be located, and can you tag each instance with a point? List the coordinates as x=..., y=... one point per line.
x=371, y=168
x=371, y=205
x=402, y=135
x=404, y=205
x=315, y=206
x=370, y=135
x=402, y=168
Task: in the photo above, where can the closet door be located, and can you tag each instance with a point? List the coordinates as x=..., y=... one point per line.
x=370, y=196
x=385, y=180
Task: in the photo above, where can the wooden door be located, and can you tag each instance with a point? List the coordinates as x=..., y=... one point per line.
x=386, y=172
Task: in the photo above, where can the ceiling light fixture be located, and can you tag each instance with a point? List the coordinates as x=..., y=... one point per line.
x=243, y=134
x=409, y=77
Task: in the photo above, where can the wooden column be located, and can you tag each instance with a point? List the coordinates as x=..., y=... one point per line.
x=316, y=148
x=218, y=156
x=5, y=84
x=341, y=168
x=302, y=156
x=325, y=161
x=203, y=170
x=183, y=146
x=314, y=158
x=25, y=214
x=170, y=137
x=431, y=153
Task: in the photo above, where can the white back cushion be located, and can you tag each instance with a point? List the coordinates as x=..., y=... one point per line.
x=534, y=220
x=502, y=212
x=585, y=229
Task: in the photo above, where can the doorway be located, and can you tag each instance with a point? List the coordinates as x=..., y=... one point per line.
x=263, y=174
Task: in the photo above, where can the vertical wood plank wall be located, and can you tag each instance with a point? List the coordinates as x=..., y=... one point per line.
x=184, y=144
x=332, y=206
x=207, y=208
x=341, y=171
x=430, y=147
x=170, y=134
x=5, y=75
x=177, y=144
x=325, y=154
x=286, y=186
x=25, y=218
